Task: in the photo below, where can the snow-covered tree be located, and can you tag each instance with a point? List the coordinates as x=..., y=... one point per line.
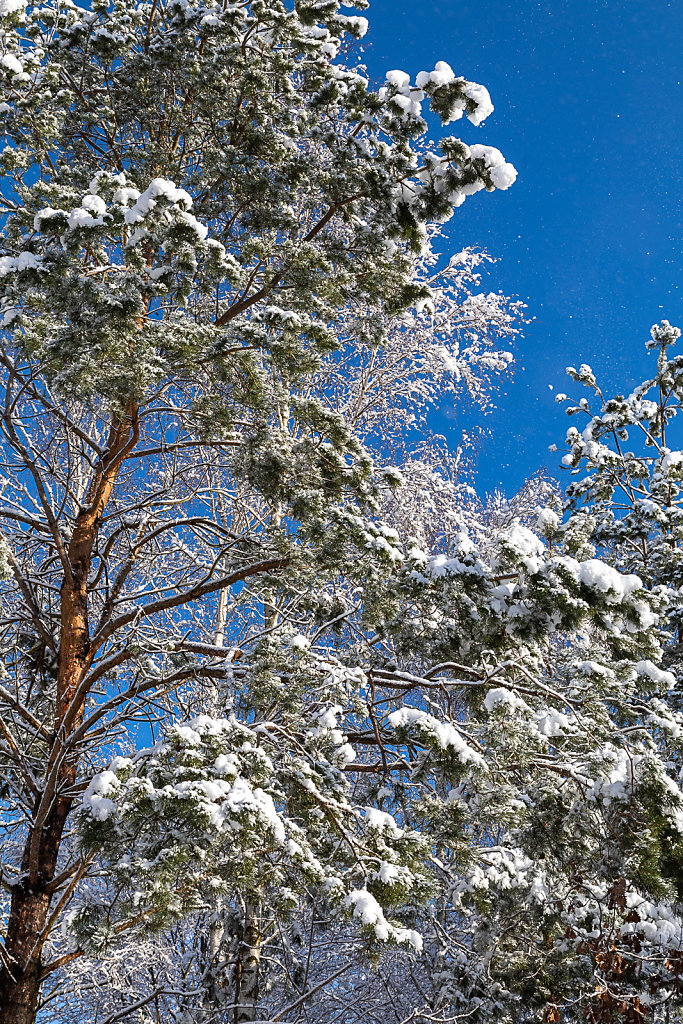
x=627, y=499
x=201, y=204
x=263, y=726
x=503, y=720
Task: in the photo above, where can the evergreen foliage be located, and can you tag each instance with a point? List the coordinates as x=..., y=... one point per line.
x=294, y=727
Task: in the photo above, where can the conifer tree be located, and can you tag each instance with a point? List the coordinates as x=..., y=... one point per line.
x=237, y=698
x=200, y=203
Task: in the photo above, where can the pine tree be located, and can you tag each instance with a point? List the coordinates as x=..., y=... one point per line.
x=201, y=204
x=627, y=503
x=239, y=700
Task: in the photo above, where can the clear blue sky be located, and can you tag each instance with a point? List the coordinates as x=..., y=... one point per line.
x=588, y=106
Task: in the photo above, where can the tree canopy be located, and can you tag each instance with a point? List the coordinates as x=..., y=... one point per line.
x=294, y=726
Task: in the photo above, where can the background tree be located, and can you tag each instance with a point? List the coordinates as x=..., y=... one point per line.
x=627, y=502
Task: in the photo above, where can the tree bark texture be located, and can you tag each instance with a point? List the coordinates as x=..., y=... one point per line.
x=21, y=966
x=248, y=965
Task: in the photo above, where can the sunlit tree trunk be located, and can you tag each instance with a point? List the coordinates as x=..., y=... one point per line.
x=32, y=896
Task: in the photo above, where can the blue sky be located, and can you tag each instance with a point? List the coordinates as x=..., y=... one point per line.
x=588, y=107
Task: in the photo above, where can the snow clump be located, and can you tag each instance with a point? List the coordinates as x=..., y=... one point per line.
x=368, y=911
x=478, y=96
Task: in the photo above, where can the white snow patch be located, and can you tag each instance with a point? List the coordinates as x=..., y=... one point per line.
x=368, y=911
x=8, y=7
x=444, y=733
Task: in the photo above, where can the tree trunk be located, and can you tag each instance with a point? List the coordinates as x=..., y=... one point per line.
x=213, y=982
x=215, y=970
x=20, y=980
x=29, y=919
x=248, y=965
x=19, y=1005
x=20, y=988
x=214, y=704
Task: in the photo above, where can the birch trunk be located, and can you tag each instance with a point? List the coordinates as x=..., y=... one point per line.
x=247, y=970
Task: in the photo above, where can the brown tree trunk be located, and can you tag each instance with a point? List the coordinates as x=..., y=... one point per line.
x=20, y=980
x=20, y=988
x=21, y=966
x=20, y=1004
